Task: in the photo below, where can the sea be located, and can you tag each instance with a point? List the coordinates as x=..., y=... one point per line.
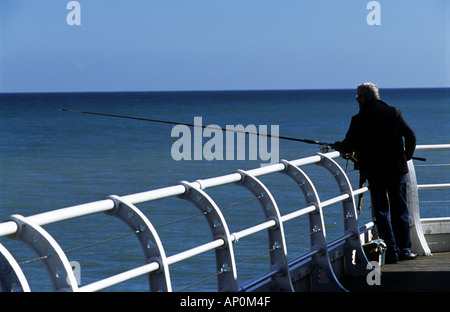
x=51, y=159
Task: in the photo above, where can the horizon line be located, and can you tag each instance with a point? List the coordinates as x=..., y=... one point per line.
x=220, y=90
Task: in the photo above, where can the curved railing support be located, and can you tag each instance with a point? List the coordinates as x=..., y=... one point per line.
x=148, y=239
x=323, y=276
x=281, y=281
x=42, y=243
x=356, y=262
x=419, y=243
x=225, y=261
x=12, y=278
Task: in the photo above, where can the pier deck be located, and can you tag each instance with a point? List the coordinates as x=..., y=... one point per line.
x=423, y=274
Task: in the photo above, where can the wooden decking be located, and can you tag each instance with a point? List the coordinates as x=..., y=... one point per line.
x=423, y=274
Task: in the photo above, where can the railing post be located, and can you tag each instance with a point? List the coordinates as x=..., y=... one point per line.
x=277, y=243
x=355, y=258
x=225, y=262
x=11, y=275
x=149, y=240
x=324, y=278
x=419, y=243
x=55, y=261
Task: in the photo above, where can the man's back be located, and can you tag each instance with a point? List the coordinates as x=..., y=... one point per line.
x=375, y=134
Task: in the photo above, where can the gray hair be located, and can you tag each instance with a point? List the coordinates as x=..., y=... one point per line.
x=369, y=90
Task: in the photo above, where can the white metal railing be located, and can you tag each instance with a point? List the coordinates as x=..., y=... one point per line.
x=419, y=243
x=30, y=231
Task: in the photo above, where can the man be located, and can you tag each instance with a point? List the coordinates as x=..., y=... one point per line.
x=376, y=136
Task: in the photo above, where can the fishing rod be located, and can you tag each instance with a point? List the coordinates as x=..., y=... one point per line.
x=200, y=126
x=324, y=146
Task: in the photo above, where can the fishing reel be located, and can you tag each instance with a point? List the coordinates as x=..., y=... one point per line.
x=324, y=148
x=351, y=156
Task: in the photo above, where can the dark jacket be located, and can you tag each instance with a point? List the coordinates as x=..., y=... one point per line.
x=376, y=135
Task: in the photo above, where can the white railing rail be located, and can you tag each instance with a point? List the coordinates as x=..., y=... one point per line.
x=29, y=230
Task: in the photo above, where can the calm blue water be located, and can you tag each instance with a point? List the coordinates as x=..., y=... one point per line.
x=51, y=159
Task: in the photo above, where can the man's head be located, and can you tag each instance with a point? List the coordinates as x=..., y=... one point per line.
x=367, y=92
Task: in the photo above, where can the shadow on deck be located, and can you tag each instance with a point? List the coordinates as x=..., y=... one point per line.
x=423, y=274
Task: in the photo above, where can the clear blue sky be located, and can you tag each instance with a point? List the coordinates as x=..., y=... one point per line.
x=159, y=45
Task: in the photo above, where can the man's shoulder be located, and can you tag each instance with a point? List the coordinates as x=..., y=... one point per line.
x=378, y=108
x=384, y=107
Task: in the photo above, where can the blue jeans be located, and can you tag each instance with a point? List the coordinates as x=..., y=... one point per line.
x=391, y=211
